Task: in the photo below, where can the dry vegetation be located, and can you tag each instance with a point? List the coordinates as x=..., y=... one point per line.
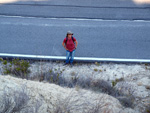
x=22, y=69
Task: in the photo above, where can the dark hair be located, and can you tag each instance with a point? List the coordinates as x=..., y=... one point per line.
x=68, y=34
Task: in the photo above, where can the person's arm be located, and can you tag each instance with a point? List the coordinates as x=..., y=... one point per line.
x=76, y=44
x=64, y=45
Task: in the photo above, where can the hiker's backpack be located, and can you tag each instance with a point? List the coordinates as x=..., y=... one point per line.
x=67, y=40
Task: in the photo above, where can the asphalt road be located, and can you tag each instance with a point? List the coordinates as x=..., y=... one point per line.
x=103, y=28
x=97, y=38
x=106, y=11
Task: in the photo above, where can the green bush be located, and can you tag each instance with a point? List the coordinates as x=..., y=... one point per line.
x=16, y=67
x=116, y=81
x=95, y=70
x=96, y=63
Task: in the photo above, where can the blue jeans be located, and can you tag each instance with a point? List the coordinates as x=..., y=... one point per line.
x=70, y=56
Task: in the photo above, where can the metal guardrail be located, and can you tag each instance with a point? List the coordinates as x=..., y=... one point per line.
x=84, y=59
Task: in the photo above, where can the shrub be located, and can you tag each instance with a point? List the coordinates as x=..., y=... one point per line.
x=5, y=103
x=101, y=70
x=95, y=70
x=127, y=101
x=19, y=68
x=53, y=76
x=116, y=81
x=96, y=63
x=87, y=83
x=147, y=109
x=17, y=102
x=82, y=82
x=76, y=102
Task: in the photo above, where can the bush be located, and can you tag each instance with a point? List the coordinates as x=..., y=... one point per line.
x=147, y=110
x=55, y=76
x=102, y=85
x=127, y=101
x=82, y=82
x=19, y=68
x=79, y=102
x=87, y=83
x=147, y=107
x=95, y=70
x=116, y=81
x=17, y=102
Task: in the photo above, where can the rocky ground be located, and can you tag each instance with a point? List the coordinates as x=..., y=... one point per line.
x=130, y=81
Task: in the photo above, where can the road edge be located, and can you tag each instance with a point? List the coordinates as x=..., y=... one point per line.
x=83, y=59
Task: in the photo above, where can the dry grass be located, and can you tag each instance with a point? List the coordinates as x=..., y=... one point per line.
x=17, y=102
x=80, y=103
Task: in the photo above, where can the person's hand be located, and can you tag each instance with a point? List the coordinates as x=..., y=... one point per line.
x=75, y=48
x=66, y=48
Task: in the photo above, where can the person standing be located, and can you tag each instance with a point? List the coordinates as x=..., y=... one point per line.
x=70, y=44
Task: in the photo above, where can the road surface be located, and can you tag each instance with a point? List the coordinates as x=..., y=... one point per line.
x=103, y=29
x=91, y=9
x=97, y=38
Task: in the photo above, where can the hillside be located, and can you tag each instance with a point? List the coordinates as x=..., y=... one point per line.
x=50, y=98
x=83, y=88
